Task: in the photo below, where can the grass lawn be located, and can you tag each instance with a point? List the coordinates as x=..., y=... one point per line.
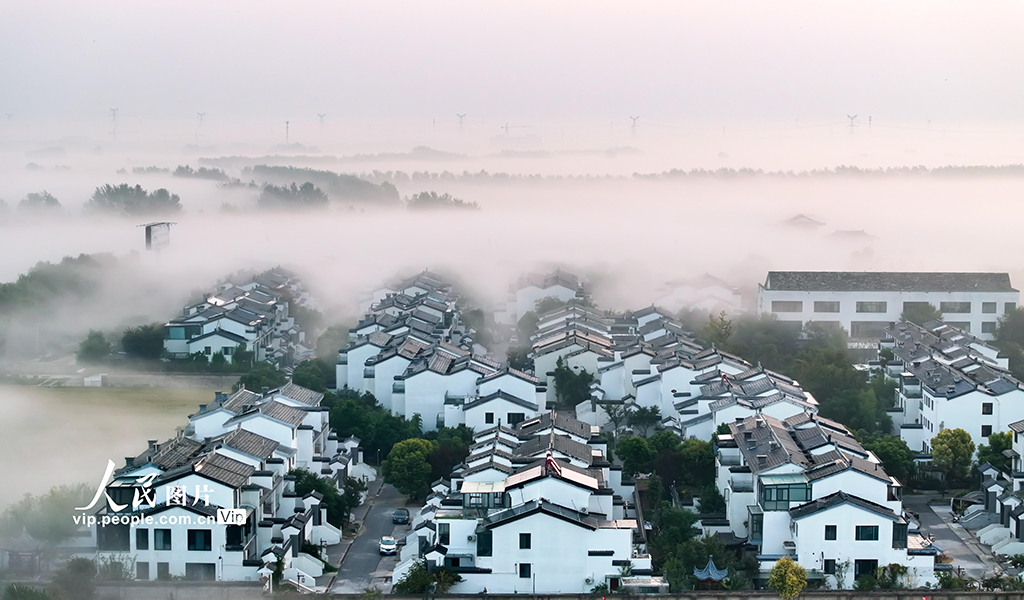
x=65, y=435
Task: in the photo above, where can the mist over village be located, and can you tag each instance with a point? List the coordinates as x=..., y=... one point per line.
x=693, y=300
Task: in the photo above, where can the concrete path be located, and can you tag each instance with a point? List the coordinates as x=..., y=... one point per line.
x=362, y=565
x=955, y=541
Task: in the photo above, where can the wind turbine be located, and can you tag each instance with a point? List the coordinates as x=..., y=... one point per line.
x=321, y=119
x=635, y=119
x=462, y=116
x=853, y=124
x=201, y=117
x=9, y=115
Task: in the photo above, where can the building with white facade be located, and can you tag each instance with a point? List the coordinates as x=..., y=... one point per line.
x=235, y=455
x=531, y=289
x=948, y=378
x=864, y=303
x=534, y=509
x=705, y=293
x=804, y=488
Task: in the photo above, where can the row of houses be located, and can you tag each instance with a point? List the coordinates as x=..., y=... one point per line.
x=246, y=311
x=415, y=354
x=535, y=508
x=947, y=378
x=217, y=501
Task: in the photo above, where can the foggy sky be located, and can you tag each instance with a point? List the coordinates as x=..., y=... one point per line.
x=535, y=60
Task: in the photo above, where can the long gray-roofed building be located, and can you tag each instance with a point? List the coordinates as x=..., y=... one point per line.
x=864, y=303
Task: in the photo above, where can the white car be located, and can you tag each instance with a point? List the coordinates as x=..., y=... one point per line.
x=388, y=545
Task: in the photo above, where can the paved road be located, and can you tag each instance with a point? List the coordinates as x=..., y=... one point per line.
x=363, y=565
x=954, y=540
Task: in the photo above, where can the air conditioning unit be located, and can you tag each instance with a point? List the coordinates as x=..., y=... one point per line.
x=589, y=580
x=471, y=538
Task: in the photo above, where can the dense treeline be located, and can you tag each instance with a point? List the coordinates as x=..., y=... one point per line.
x=338, y=186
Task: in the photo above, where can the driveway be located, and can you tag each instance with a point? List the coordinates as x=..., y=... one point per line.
x=955, y=541
x=363, y=566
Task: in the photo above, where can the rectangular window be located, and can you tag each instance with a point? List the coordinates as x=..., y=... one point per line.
x=865, y=568
x=142, y=540
x=444, y=533
x=988, y=327
x=787, y=306
x=484, y=543
x=524, y=570
x=756, y=526
x=175, y=333
x=199, y=539
x=163, y=570
x=228, y=351
x=868, y=330
x=830, y=532
x=986, y=430
x=986, y=408
x=142, y=571
x=192, y=331
x=899, y=536
x=988, y=308
x=778, y=497
x=872, y=307
x=867, y=533
x=1010, y=307
x=207, y=350
x=515, y=418
x=830, y=566
x=161, y=539
x=954, y=307
x=489, y=418
x=826, y=307
x=524, y=541
x=499, y=499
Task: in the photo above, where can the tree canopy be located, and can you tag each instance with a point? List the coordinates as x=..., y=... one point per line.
x=952, y=451
x=39, y=203
x=787, y=579
x=340, y=503
x=897, y=458
x=94, y=348
x=434, y=201
x=572, y=386
x=636, y=455
x=144, y=341
x=126, y=200
x=316, y=374
x=919, y=313
x=992, y=453
x=292, y=196
x=407, y=468
x=262, y=375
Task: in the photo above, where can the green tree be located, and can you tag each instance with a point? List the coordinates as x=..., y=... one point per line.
x=712, y=500
x=316, y=374
x=920, y=313
x=787, y=579
x=74, y=581
x=618, y=414
x=294, y=196
x=993, y=452
x=644, y=418
x=262, y=375
x=952, y=451
x=718, y=330
x=548, y=304
x=407, y=467
x=433, y=201
x=697, y=461
x=144, y=341
x=518, y=357
x=636, y=455
x=527, y=326
x=571, y=387
x=333, y=339
x=45, y=517
x=360, y=415
x=39, y=203
x=94, y=348
x=672, y=527
x=451, y=447
x=340, y=503
x=420, y=580
x=131, y=201
x=897, y=458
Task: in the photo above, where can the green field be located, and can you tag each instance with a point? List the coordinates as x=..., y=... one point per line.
x=53, y=436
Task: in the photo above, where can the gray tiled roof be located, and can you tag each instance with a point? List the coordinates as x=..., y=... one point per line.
x=301, y=394
x=250, y=443
x=845, y=281
x=836, y=499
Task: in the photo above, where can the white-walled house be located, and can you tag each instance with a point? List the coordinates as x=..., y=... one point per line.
x=864, y=303
x=526, y=515
x=948, y=378
x=705, y=293
x=530, y=289
x=804, y=488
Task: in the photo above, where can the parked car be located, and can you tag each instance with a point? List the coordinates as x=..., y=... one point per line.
x=400, y=516
x=388, y=545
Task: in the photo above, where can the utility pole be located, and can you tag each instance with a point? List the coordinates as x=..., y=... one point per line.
x=113, y=119
x=286, y=133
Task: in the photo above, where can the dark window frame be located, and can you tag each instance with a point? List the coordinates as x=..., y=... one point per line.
x=831, y=532
x=525, y=541
x=867, y=533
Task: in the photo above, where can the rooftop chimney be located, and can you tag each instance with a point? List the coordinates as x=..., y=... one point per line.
x=762, y=460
